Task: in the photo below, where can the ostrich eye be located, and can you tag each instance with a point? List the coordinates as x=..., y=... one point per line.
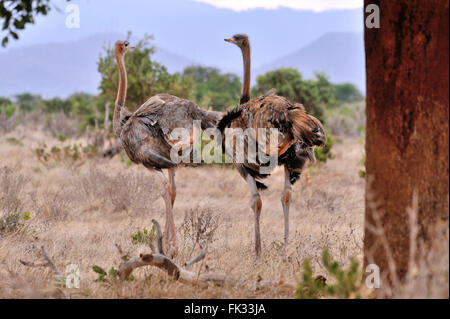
x=316, y=130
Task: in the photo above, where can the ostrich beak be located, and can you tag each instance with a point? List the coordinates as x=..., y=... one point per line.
x=230, y=40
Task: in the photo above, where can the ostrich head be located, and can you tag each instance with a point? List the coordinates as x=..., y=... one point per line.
x=241, y=40
x=122, y=47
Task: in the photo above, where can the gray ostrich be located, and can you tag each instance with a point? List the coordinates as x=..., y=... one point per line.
x=145, y=134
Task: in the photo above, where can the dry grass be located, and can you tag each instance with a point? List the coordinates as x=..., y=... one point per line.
x=79, y=214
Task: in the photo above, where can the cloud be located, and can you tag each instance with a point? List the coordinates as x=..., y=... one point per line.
x=314, y=5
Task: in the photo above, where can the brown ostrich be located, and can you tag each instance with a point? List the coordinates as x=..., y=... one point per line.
x=146, y=134
x=298, y=133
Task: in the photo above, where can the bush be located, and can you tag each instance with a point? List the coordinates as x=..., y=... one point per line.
x=109, y=277
x=11, y=200
x=12, y=221
x=69, y=155
x=314, y=94
x=324, y=153
x=348, y=282
x=347, y=119
x=347, y=92
x=212, y=88
x=144, y=237
x=199, y=226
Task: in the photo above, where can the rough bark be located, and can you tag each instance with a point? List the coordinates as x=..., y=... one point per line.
x=407, y=69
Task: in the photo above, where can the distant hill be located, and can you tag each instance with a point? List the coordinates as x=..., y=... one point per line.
x=339, y=55
x=60, y=69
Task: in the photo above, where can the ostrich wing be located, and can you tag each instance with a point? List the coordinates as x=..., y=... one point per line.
x=170, y=112
x=268, y=112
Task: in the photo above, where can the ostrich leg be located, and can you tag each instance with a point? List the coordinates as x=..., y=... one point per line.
x=169, y=240
x=256, y=204
x=286, y=202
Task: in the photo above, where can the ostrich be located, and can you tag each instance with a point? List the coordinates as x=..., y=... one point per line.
x=298, y=133
x=146, y=134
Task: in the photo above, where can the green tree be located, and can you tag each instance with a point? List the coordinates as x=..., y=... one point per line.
x=82, y=104
x=145, y=76
x=213, y=88
x=288, y=83
x=325, y=94
x=4, y=101
x=7, y=107
x=347, y=92
x=56, y=105
x=28, y=102
x=314, y=94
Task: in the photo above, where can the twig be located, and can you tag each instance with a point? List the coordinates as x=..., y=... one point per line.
x=159, y=237
x=32, y=264
x=352, y=230
x=196, y=259
x=48, y=262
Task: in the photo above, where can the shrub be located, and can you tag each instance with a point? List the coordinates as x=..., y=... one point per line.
x=69, y=154
x=14, y=141
x=11, y=190
x=12, y=221
x=199, y=226
x=144, y=237
x=348, y=282
x=347, y=119
x=324, y=153
x=108, y=277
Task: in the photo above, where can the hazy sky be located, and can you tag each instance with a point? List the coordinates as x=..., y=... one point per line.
x=313, y=5
x=184, y=30
x=196, y=28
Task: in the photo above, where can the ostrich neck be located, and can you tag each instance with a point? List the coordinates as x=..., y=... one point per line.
x=245, y=94
x=121, y=93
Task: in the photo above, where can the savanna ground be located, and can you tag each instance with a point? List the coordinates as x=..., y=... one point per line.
x=79, y=213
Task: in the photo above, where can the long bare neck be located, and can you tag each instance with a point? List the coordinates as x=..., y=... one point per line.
x=121, y=93
x=245, y=94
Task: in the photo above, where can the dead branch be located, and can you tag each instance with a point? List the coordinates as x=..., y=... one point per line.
x=183, y=274
x=33, y=264
x=159, y=237
x=48, y=263
x=197, y=258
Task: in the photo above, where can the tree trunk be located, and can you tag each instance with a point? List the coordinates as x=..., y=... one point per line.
x=407, y=71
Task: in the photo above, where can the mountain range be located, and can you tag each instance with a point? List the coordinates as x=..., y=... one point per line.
x=338, y=55
x=60, y=69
